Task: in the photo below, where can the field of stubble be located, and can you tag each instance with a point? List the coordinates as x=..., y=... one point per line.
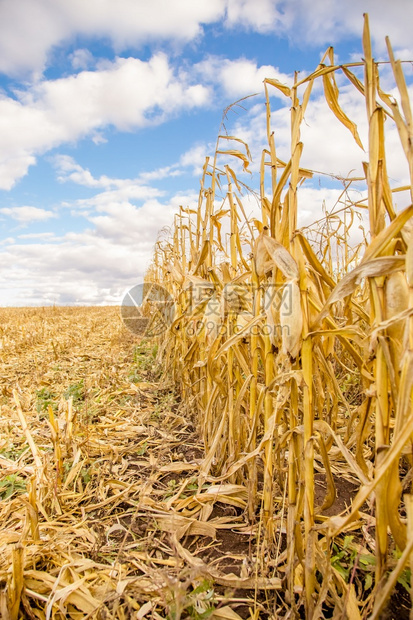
x=103, y=513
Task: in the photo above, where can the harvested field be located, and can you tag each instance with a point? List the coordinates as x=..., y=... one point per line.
x=102, y=515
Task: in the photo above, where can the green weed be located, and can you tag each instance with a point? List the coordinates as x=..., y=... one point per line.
x=45, y=397
x=12, y=452
x=142, y=450
x=10, y=485
x=144, y=355
x=347, y=556
x=405, y=578
x=197, y=604
x=76, y=392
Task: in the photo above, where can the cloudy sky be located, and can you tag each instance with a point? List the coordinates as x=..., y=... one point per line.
x=109, y=107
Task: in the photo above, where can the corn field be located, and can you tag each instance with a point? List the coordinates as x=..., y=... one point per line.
x=254, y=459
x=294, y=350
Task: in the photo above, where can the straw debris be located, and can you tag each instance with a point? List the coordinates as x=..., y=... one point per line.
x=102, y=513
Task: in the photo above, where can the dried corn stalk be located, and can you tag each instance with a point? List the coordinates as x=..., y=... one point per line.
x=301, y=362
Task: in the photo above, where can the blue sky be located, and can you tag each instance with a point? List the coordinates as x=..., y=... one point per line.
x=108, y=109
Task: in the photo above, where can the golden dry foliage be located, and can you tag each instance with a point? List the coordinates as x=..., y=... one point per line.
x=99, y=494
x=295, y=350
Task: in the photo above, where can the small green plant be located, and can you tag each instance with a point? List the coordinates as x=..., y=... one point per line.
x=135, y=376
x=405, y=578
x=165, y=402
x=85, y=473
x=12, y=452
x=197, y=604
x=367, y=562
x=45, y=398
x=190, y=489
x=143, y=448
x=193, y=485
x=67, y=466
x=10, y=485
x=144, y=355
x=344, y=556
x=347, y=556
x=171, y=490
x=76, y=392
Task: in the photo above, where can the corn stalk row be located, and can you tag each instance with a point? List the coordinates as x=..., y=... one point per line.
x=297, y=356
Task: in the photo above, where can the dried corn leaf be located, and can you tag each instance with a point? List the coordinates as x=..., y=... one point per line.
x=370, y=269
x=331, y=94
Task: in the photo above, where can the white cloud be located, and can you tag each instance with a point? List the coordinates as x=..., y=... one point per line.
x=98, y=138
x=195, y=157
x=29, y=29
x=82, y=59
x=115, y=191
x=41, y=235
x=260, y=15
x=161, y=173
x=240, y=77
x=325, y=22
x=27, y=214
x=97, y=264
x=15, y=167
x=69, y=170
x=90, y=267
x=127, y=94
